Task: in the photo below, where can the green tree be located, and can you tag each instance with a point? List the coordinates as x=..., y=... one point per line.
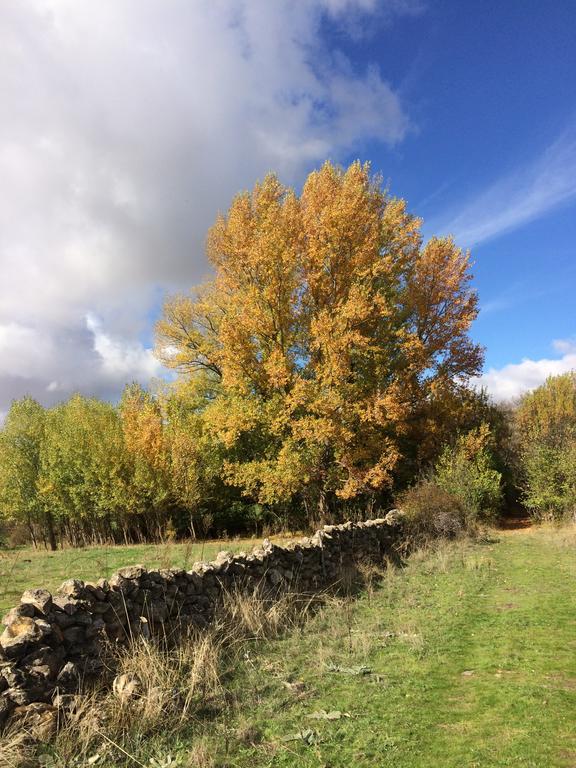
x=545, y=421
x=84, y=473
x=21, y=443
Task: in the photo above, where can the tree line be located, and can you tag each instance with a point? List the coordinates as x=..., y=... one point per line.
x=324, y=369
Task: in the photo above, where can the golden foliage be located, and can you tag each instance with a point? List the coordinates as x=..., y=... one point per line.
x=326, y=333
x=548, y=413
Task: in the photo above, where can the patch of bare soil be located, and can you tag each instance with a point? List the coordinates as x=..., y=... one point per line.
x=507, y=607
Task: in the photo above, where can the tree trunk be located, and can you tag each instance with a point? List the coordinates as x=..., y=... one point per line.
x=32, y=534
x=50, y=530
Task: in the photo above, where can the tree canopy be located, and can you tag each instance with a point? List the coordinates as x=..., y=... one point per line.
x=324, y=364
x=325, y=339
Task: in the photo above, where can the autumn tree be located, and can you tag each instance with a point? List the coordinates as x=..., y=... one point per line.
x=147, y=454
x=327, y=332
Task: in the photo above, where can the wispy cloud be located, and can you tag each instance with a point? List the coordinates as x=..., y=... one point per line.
x=524, y=291
x=518, y=198
x=515, y=379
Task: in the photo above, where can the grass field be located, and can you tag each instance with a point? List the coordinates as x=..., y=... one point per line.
x=472, y=653
x=23, y=568
x=471, y=661
x=464, y=658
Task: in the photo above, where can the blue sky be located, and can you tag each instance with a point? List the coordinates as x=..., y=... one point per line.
x=489, y=87
x=129, y=123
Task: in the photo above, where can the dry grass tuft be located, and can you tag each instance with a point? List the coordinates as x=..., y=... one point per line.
x=16, y=748
x=161, y=687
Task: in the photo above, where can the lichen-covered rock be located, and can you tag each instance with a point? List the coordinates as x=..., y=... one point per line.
x=14, y=614
x=19, y=635
x=224, y=557
x=394, y=518
x=119, y=583
x=132, y=572
x=73, y=588
x=40, y=599
x=65, y=604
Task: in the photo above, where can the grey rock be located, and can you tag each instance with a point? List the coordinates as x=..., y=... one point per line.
x=132, y=572
x=96, y=592
x=68, y=674
x=72, y=588
x=22, y=696
x=96, y=628
x=14, y=677
x=40, y=599
x=18, y=636
x=74, y=635
x=7, y=706
x=44, y=658
x=63, y=620
x=274, y=577
x=44, y=627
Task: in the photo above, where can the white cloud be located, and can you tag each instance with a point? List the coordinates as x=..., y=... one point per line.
x=523, y=196
x=121, y=360
x=515, y=379
x=126, y=125
x=51, y=365
x=565, y=346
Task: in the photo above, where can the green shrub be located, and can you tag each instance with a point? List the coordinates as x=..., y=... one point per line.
x=466, y=472
x=550, y=488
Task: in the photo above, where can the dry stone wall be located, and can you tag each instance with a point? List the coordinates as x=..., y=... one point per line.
x=52, y=642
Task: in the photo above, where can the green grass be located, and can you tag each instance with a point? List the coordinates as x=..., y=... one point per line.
x=23, y=568
x=473, y=658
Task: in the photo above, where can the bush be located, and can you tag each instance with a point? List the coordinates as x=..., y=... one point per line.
x=431, y=512
x=550, y=490
x=466, y=472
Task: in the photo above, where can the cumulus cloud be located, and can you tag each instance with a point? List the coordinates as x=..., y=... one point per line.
x=522, y=196
x=126, y=125
x=515, y=379
x=51, y=364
